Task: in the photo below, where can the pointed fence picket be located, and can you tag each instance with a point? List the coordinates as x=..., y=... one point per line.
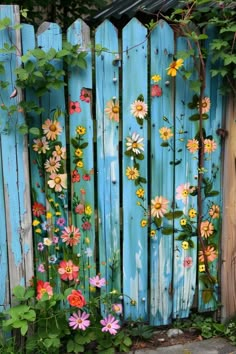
x=112, y=195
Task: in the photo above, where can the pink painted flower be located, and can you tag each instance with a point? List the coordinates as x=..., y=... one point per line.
x=55, y=240
x=110, y=324
x=183, y=192
x=156, y=91
x=85, y=95
x=40, y=246
x=71, y=235
x=68, y=270
x=74, y=107
x=79, y=209
x=59, y=152
x=79, y=320
x=205, y=104
x=42, y=288
x=41, y=268
x=41, y=145
x=86, y=177
x=52, y=165
x=75, y=176
x=139, y=109
x=58, y=181
x=188, y=262
x=97, y=281
x=61, y=221
x=86, y=225
x=159, y=206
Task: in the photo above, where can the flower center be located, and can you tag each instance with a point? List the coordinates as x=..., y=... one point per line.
x=68, y=269
x=206, y=228
x=57, y=180
x=185, y=193
x=134, y=144
x=139, y=107
x=42, y=291
x=109, y=325
x=115, y=109
x=53, y=127
x=173, y=65
x=52, y=162
x=207, y=253
x=157, y=206
x=40, y=144
x=79, y=321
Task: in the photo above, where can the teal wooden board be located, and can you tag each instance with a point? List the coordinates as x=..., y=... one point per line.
x=108, y=168
x=162, y=174
x=185, y=260
x=135, y=237
x=213, y=167
x=82, y=178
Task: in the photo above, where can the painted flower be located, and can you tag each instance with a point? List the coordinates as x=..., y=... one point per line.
x=202, y=268
x=139, y=109
x=112, y=110
x=86, y=177
x=88, y=210
x=207, y=228
x=43, y=288
x=38, y=209
x=61, y=221
x=40, y=246
x=165, y=133
x=40, y=145
x=58, y=181
x=74, y=107
x=52, y=165
x=35, y=222
x=117, y=308
x=156, y=78
x=152, y=233
x=156, y=91
x=55, y=240
x=68, y=270
x=174, y=67
x=47, y=241
x=140, y=192
x=79, y=152
x=183, y=222
x=135, y=143
x=79, y=209
x=185, y=245
x=75, y=176
x=76, y=299
x=209, y=145
x=159, y=206
x=59, y=152
x=193, y=145
x=51, y=129
x=210, y=254
x=110, y=324
x=85, y=95
x=71, y=235
x=188, y=262
x=143, y=222
x=183, y=191
x=97, y=281
x=86, y=226
x=205, y=104
x=132, y=173
x=41, y=268
x=79, y=320
x=192, y=213
x=80, y=164
x=214, y=211
x=52, y=259
x=80, y=130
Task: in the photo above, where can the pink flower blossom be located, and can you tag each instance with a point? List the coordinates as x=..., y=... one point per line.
x=188, y=262
x=79, y=209
x=156, y=91
x=41, y=268
x=183, y=192
x=97, y=281
x=79, y=321
x=110, y=324
x=68, y=270
x=86, y=225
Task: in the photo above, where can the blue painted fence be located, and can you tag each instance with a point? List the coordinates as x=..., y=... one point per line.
x=116, y=158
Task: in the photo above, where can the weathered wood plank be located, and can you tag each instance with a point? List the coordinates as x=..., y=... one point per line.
x=186, y=169
x=15, y=163
x=108, y=168
x=81, y=149
x=135, y=238
x=162, y=172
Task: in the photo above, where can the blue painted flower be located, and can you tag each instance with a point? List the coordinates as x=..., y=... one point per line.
x=52, y=259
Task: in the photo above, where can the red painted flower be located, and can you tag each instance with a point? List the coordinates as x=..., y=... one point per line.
x=38, y=209
x=86, y=225
x=75, y=176
x=76, y=299
x=68, y=270
x=74, y=107
x=86, y=177
x=85, y=95
x=42, y=288
x=156, y=91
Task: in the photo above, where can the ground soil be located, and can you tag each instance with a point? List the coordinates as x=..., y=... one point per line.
x=160, y=339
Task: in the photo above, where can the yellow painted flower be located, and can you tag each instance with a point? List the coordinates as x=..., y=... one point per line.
x=174, y=67
x=138, y=203
x=38, y=231
x=56, y=229
x=132, y=173
x=183, y=222
x=153, y=233
x=58, y=213
x=88, y=210
x=48, y=215
x=78, y=152
x=143, y=222
x=87, y=240
x=80, y=164
x=214, y=211
x=133, y=302
x=140, y=193
x=56, y=205
x=80, y=130
x=92, y=289
x=202, y=268
x=47, y=241
x=192, y=213
x=185, y=245
x=51, y=200
x=156, y=78
x=165, y=133
x=35, y=223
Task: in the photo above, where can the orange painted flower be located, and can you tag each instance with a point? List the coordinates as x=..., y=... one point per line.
x=68, y=270
x=207, y=228
x=210, y=254
x=51, y=129
x=76, y=299
x=112, y=110
x=206, y=105
x=42, y=288
x=214, y=211
x=71, y=235
x=174, y=67
x=159, y=206
x=193, y=145
x=209, y=145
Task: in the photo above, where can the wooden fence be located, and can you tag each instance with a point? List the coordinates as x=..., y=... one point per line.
x=117, y=158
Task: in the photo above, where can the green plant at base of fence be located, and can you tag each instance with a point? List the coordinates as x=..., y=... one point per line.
x=55, y=323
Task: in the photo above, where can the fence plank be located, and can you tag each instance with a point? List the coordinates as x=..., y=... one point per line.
x=162, y=173
x=134, y=235
x=108, y=181
x=81, y=130
x=185, y=258
x=15, y=163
